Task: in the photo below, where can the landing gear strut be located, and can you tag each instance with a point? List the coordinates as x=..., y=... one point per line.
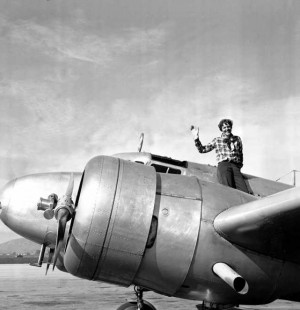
x=209, y=306
x=139, y=304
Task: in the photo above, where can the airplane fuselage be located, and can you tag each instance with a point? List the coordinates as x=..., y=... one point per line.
x=147, y=220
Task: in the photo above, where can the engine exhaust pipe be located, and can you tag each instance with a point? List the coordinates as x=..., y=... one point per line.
x=232, y=278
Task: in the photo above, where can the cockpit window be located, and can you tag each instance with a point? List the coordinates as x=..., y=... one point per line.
x=168, y=160
x=165, y=169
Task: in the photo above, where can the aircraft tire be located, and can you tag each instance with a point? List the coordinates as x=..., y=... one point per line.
x=132, y=305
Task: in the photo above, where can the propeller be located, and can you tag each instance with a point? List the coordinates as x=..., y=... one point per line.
x=63, y=210
x=63, y=213
x=50, y=256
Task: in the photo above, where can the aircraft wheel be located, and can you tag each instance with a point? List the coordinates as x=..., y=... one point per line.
x=132, y=305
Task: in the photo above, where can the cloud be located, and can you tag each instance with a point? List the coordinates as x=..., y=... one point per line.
x=45, y=133
x=37, y=126
x=63, y=42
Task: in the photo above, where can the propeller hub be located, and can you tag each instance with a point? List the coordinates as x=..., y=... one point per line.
x=67, y=208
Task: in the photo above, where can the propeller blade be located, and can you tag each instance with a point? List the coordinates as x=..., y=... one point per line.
x=70, y=186
x=62, y=218
x=50, y=256
x=56, y=253
x=63, y=213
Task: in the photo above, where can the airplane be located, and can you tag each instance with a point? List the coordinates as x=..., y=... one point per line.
x=164, y=225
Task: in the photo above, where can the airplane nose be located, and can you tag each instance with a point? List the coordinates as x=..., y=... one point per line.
x=5, y=197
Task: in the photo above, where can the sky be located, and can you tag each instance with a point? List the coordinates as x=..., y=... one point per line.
x=85, y=78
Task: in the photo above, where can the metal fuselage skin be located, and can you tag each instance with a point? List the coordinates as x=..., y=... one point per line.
x=119, y=201
x=19, y=200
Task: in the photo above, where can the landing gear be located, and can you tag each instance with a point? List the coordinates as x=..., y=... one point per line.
x=140, y=304
x=132, y=305
x=210, y=306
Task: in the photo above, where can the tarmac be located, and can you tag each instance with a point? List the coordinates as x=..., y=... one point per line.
x=25, y=287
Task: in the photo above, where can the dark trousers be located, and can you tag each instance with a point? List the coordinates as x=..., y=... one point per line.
x=230, y=174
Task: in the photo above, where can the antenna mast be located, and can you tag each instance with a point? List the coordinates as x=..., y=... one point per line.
x=294, y=176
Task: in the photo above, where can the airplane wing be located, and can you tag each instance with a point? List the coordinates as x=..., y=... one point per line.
x=270, y=225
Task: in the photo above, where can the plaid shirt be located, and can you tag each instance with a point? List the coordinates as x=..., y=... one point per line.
x=227, y=149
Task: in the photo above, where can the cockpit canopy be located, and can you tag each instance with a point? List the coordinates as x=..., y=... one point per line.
x=161, y=164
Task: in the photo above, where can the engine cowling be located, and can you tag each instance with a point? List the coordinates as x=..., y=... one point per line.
x=112, y=222
x=134, y=226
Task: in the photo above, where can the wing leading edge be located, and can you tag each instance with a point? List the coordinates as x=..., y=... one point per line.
x=270, y=226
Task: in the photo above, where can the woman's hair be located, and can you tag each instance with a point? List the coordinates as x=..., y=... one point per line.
x=225, y=121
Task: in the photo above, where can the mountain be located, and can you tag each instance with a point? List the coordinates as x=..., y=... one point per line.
x=20, y=245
